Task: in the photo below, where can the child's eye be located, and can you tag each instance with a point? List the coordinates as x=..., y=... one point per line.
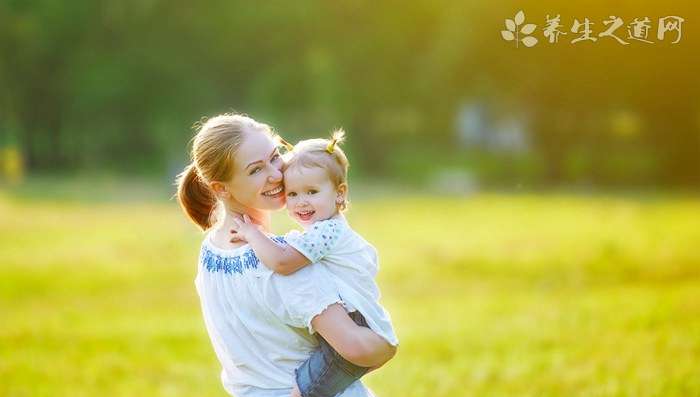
x=254, y=171
x=291, y=194
x=276, y=157
x=312, y=191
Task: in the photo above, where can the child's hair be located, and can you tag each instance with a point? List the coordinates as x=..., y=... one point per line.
x=325, y=154
x=213, y=150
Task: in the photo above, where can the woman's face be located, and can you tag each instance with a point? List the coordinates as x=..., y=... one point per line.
x=257, y=176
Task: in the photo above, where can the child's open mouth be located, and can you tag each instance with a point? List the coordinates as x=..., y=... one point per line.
x=305, y=215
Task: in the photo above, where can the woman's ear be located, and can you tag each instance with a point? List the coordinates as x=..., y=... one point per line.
x=220, y=190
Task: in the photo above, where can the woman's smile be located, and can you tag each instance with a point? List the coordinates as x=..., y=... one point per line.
x=274, y=192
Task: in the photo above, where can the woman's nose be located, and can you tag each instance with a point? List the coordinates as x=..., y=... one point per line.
x=275, y=176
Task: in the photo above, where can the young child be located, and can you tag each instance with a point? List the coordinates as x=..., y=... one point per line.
x=315, y=182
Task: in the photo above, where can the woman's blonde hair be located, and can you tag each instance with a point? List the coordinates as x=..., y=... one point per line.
x=213, y=150
x=325, y=154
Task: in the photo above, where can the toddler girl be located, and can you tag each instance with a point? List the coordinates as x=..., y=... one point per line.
x=315, y=182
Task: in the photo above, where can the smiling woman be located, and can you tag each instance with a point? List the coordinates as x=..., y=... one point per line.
x=256, y=180
x=259, y=322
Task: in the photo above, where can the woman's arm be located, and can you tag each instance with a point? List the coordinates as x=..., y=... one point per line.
x=282, y=259
x=359, y=345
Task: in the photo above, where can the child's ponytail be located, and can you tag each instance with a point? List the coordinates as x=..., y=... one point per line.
x=337, y=137
x=195, y=197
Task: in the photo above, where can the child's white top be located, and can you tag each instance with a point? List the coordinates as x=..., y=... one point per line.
x=353, y=264
x=260, y=322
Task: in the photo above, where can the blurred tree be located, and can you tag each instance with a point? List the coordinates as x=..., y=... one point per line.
x=102, y=84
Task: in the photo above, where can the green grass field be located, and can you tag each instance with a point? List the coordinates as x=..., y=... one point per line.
x=491, y=295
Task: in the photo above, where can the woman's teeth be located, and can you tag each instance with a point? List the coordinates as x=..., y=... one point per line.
x=273, y=192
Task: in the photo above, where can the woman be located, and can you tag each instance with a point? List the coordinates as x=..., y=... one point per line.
x=259, y=322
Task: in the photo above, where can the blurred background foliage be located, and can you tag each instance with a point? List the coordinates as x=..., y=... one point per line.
x=427, y=90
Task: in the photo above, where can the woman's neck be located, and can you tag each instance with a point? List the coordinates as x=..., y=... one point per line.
x=260, y=217
x=222, y=231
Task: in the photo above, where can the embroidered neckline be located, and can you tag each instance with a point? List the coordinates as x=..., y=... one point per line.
x=237, y=260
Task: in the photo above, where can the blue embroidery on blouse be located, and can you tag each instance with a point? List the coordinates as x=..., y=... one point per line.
x=247, y=260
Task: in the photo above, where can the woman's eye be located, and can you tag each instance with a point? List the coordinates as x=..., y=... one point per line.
x=291, y=194
x=254, y=171
x=313, y=191
x=276, y=157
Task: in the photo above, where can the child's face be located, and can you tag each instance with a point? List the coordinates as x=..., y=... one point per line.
x=311, y=195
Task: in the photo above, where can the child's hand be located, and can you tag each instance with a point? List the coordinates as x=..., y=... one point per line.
x=244, y=229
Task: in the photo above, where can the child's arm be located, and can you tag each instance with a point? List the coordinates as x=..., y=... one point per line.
x=281, y=258
x=347, y=351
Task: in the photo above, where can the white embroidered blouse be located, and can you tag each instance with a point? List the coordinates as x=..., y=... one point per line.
x=259, y=322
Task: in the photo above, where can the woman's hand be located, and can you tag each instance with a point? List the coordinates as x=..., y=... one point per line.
x=244, y=229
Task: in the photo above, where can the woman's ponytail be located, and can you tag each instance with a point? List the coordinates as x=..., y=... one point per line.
x=195, y=197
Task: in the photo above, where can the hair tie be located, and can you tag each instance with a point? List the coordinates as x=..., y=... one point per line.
x=286, y=144
x=331, y=146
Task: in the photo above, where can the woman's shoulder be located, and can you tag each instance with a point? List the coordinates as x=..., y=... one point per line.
x=233, y=260
x=214, y=241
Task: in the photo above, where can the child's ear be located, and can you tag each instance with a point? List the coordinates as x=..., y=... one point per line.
x=342, y=191
x=220, y=190
x=341, y=198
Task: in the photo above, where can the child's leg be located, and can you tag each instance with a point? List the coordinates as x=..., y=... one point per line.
x=326, y=373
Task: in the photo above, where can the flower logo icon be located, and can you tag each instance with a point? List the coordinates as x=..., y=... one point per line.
x=514, y=31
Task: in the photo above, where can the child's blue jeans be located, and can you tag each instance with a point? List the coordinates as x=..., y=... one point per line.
x=326, y=373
